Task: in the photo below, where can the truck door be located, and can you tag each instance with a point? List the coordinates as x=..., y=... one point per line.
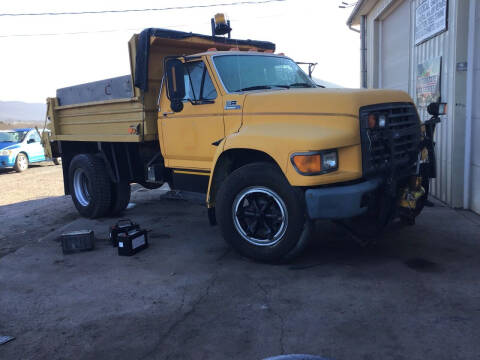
x=188, y=135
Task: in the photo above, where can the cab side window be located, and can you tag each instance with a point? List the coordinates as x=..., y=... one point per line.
x=201, y=86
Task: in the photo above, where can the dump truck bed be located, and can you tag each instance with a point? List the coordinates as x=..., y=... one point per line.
x=104, y=110
x=124, y=109
x=118, y=120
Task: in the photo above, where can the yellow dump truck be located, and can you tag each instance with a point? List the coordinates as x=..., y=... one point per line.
x=271, y=150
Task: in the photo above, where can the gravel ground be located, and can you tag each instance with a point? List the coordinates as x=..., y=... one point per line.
x=32, y=205
x=39, y=181
x=414, y=296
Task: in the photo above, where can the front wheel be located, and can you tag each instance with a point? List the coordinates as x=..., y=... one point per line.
x=260, y=214
x=21, y=163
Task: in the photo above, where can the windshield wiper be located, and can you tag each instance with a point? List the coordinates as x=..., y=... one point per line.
x=261, y=87
x=305, y=85
x=256, y=87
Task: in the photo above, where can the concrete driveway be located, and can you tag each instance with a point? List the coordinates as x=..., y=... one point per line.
x=189, y=296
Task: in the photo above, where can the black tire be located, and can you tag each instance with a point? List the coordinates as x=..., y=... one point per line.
x=150, y=186
x=303, y=242
x=259, y=180
x=57, y=160
x=120, y=197
x=90, y=185
x=21, y=162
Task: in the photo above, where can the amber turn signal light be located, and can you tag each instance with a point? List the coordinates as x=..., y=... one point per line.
x=372, y=121
x=308, y=163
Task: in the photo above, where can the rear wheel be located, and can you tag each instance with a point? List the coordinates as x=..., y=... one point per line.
x=21, y=163
x=260, y=214
x=120, y=197
x=90, y=185
x=57, y=160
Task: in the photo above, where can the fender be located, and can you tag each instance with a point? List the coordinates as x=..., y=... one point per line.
x=279, y=142
x=218, y=153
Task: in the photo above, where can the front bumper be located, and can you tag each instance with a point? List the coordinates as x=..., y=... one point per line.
x=6, y=161
x=338, y=202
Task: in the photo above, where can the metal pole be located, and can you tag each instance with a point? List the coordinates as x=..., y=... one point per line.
x=469, y=108
x=363, y=51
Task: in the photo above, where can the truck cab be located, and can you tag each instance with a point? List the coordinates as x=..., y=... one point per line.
x=271, y=150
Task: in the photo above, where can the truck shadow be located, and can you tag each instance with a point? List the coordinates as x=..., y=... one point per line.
x=431, y=246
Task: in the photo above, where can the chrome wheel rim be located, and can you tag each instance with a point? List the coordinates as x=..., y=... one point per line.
x=260, y=216
x=80, y=186
x=22, y=162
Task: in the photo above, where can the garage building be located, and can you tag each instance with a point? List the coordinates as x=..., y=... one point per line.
x=431, y=49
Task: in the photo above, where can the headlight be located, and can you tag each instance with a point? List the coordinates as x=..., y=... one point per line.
x=376, y=120
x=382, y=120
x=316, y=162
x=6, y=152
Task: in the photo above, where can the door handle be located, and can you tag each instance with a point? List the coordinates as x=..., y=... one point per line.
x=168, y=113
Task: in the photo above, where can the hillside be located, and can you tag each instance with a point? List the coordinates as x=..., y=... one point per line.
x=16, y=111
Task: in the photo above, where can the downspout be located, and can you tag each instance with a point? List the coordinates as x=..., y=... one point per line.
x=353, y=29
x=468, y=120
x=363, y=51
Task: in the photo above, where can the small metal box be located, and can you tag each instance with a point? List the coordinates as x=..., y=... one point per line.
x=75, y=241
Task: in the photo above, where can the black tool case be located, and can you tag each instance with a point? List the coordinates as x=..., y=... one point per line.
x=75, y=241
x=122, y=226
x=131, y=242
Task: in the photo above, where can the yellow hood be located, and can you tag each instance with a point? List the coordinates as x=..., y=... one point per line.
x=319, y=100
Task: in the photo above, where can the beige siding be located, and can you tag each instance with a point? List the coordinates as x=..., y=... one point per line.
x=440, y=45
x=451, y=45
x=475, y=161
x=394, y=67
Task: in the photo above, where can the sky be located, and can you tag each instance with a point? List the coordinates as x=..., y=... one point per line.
x=33, y=67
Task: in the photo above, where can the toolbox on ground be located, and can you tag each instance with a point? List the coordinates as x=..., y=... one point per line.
x=131, y=242
x=122, y=226
x=75, y=241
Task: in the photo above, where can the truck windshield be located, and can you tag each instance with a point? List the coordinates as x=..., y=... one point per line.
x=12, y=136
x=254, y=72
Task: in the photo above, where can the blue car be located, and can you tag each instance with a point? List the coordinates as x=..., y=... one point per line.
x=20, y=147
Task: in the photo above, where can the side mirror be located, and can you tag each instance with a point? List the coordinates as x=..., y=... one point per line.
x=175, y=71
x=30, y=141
x=436, y=109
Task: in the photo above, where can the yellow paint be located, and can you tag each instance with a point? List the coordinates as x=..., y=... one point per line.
x=276, y=122
x=190, y=172
x=410, y=197
x=188, y=135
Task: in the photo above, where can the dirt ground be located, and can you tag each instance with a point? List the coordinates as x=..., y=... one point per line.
x=415, y=295
x=31, y=205
x=39, y=181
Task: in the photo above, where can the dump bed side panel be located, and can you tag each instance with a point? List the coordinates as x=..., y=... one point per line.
x=107, y=121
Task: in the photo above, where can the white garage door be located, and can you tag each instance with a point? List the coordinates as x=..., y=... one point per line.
x=394, y=48
x=475, y=166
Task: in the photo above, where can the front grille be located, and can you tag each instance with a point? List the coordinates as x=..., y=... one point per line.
x=393, y=148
